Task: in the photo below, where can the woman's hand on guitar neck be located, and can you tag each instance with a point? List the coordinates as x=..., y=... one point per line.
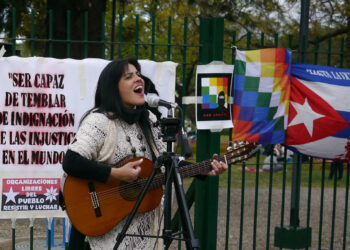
x=128, y=172
x=218, y=167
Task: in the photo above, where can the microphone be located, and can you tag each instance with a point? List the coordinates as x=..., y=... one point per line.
x=154, y=101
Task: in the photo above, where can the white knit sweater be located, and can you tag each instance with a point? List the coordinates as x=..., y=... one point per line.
x=103, y=140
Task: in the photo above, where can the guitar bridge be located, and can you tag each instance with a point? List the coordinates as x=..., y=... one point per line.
x=94, y=199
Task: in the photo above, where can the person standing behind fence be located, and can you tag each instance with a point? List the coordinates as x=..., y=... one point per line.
x=336, y=166
x=121, y=119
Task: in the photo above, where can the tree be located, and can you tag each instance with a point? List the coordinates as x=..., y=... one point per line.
x=328, y=18
x=329, y=21
x=40, y=11
x=78, y=8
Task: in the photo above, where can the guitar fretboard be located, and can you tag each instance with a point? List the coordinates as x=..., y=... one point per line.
x=236, y=155
x=186, y=171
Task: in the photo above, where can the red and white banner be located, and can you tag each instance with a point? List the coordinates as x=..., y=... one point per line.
x=28, y=194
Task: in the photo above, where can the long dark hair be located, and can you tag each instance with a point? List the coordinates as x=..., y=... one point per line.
x=107, y=97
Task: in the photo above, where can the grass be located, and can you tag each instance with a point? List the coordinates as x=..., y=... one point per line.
x=277, y=177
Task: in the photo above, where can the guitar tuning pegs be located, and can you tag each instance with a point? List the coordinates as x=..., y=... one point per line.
x=229, y=148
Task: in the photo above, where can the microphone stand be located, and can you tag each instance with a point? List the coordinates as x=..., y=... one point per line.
x=170, y=126
x=173, y=175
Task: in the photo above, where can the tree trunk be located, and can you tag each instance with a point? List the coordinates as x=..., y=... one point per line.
x=95, y=8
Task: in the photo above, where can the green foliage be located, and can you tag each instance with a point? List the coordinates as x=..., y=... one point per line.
x=163, y=27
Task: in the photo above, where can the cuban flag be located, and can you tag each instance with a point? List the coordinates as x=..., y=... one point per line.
x=319, y=112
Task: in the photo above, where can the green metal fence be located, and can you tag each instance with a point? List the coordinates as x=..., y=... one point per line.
x=249, y=206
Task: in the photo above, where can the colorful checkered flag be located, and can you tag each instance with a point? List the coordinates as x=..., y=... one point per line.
x=261, y=95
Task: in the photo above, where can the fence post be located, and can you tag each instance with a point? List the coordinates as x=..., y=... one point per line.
x=296, y=236
x=206, y=206
x=303, y=30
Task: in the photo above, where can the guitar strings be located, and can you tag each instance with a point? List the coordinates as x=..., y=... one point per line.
x=104, y=195
x=189, y=171
x=159, y=179
x=110, y=194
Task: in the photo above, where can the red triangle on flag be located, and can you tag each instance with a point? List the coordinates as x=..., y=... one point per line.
x=310, y=117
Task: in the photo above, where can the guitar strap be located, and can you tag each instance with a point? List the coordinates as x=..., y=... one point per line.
x=158, y=222
x=150, y=142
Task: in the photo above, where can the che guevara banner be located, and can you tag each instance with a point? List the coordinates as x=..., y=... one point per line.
x=213, y=86
x=41, y=103
x=319, y=116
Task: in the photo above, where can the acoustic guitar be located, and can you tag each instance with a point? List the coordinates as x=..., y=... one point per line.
x=94, y=208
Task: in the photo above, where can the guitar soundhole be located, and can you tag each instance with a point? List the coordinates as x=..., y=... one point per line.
x=129, y=191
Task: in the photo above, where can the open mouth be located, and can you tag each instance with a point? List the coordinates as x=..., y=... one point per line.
x=138, y=90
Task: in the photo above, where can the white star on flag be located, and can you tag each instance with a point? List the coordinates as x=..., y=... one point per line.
x=306, y=115
x=10, y=196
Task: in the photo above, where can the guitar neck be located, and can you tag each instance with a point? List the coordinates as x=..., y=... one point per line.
x=186, y=171
x=197, y=168
x=238, y=154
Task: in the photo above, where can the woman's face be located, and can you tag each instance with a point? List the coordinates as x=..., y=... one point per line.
x=131, y=87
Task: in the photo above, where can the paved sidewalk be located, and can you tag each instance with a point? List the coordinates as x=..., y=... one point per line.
x=40, y=245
